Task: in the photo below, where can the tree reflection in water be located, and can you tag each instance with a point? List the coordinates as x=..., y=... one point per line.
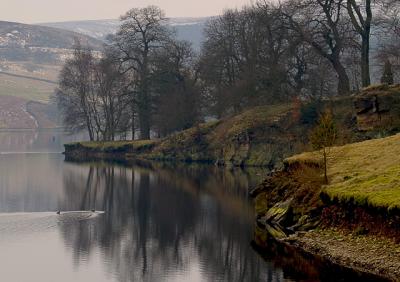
x=192, y=223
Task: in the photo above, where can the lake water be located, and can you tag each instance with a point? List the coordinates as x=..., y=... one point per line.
x=153, y=222
x=160, y=222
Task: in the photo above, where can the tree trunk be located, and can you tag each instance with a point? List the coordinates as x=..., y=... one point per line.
x=362, y=24
x=144, y=99
x=133, y=121
x=91, y=137
x=144, y=115
x=144, y=125
x=344, y=82
x=89, y=128
x=365, y=72
x=325, y=167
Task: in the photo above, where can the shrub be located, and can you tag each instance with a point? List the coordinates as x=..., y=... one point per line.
x=309, y=112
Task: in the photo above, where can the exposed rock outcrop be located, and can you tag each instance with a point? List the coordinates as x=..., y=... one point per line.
x=378, y=108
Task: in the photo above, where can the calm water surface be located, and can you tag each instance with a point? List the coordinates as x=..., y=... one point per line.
x=160, y=222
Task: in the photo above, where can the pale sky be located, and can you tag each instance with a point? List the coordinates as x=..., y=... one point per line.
x=36, y=11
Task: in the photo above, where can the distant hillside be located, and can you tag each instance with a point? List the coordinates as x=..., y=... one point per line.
x=25, y=35
x=98, y=29
x=190, y=29
x=31, y=57
x=39, y=44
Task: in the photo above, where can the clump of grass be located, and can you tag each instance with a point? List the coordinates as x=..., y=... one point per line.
x=376, y=87
x=115, y=145
x=311, y=159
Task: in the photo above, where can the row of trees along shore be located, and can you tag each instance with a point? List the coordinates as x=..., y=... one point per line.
x=147, y=83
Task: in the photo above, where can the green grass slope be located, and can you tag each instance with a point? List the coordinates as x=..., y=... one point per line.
x=365, y=173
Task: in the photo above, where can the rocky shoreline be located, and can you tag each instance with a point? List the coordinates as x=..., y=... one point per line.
x=364, y=253
x=291, y=209
x=306, y=259
x=367, y=255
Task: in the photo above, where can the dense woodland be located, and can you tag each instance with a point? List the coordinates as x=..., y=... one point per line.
x=146, y=83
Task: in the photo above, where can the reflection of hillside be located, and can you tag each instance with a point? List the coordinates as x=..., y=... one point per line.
x=33, y=141
x=17, y=141
x=159, y=223
x=30, y=182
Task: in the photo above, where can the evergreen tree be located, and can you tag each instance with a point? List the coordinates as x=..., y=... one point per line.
x=387, y=76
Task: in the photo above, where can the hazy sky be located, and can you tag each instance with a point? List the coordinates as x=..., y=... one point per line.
x=35, y=11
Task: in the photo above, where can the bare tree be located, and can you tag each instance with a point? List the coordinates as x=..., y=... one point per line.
x=220, y=61
x=361, y=21
x=113, y=99
x=175, y=84
x=388, y=21
x=247, y=59
x=321, y=24
x=92, y=95
x=142, y=31
x=74, y=96
x=263, y=54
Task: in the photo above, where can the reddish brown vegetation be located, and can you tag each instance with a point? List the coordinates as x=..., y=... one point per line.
x=362, y=221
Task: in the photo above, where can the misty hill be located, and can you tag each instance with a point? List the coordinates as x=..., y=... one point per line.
x=190, y=29
x=24, y=42
x=30, y=59
x=25, y=35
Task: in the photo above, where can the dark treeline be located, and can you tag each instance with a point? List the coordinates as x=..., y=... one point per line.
x=147, y=83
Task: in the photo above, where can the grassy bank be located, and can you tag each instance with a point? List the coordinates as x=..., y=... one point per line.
x=353, y=221
x=261, y=136
x=365, y=173
x=113, y=146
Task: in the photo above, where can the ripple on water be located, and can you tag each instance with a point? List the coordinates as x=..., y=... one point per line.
x=19, y=224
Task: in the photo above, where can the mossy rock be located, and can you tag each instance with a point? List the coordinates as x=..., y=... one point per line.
x=275, y=232
x=279, y=213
